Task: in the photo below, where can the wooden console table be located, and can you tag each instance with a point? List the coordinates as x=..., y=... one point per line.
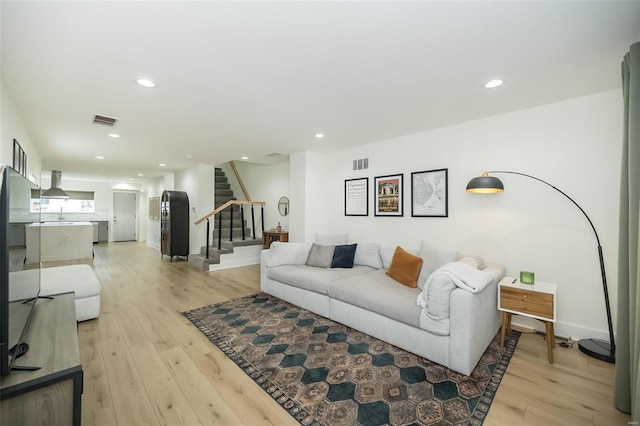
x=53, y=394
x=268, y=237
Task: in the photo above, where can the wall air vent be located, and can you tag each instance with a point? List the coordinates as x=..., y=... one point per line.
x=103, y=119
x=274, y=154
x=360, y=164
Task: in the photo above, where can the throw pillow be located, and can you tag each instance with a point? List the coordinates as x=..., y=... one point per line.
x=287, y=254
x=343, y=256
x=331, y=239
x=469, y=261
x=434, y=258
x=368, y=254
x=405, y=267
x=320, y=256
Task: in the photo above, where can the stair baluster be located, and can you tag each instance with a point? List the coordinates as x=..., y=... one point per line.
x=242, y=220
x=262, y=217
x=207, y=249
x=219, y=230
x=253, y=223
x=230, y=223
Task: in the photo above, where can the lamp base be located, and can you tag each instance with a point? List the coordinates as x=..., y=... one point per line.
x=599, y=349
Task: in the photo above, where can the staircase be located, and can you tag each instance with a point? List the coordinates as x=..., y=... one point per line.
x=240, y=252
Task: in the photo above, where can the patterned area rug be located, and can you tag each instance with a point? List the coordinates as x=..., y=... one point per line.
x=324, y=373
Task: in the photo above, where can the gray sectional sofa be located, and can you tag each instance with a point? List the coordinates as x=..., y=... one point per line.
x=451, y=323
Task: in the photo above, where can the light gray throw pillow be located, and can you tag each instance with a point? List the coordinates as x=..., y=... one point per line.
x=433, y=257
x=320, y=256
x=368, y=254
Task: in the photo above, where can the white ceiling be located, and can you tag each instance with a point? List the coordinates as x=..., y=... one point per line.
x=252, y=78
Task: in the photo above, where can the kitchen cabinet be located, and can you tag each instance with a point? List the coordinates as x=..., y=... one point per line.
x=100, y=231
x=103, y=232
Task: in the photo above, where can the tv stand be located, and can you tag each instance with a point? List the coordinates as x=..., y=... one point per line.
x=52, y=394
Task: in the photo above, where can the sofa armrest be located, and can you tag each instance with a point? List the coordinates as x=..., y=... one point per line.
x=473, y=323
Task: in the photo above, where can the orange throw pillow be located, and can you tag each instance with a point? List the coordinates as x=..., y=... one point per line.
x=405, y=267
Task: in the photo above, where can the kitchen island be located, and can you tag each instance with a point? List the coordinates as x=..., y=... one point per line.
x=52, y=241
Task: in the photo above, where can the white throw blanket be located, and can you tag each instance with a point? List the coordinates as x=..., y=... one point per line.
x=461, y=274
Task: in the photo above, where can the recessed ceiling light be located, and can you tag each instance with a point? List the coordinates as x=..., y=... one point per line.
x=130, y=178
x=244, y=157
x=319, y=135
x=145, y=82
x=162, y=165
x=189, y=157
x=140, y=174
x=99, y=157
x=114, y=135
x=493, y=83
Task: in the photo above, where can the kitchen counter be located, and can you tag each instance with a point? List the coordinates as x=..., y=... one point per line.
x=52, y=241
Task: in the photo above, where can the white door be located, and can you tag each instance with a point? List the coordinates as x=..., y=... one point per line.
x=124, y=216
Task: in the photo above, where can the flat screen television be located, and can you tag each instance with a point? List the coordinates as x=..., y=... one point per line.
x=19, y=281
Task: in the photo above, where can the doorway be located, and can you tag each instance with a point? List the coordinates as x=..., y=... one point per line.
x=125, y=205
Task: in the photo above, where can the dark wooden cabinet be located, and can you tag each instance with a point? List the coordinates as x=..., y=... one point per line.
x=174, y=224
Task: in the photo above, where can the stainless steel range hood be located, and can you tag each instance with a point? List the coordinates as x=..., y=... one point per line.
x=55, y=191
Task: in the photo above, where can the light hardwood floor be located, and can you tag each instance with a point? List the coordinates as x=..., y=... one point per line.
x=145, y=364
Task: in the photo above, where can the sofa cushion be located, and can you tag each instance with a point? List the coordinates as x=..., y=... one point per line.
x=320, y=256
x=379, y=293
x=343, y=256
x=312, y=278
x=434, y=257
x=405, y=267
x=368, y=254
x=287, y=254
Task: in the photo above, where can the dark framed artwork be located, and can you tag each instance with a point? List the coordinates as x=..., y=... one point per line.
x=430, y=193
x=389, y=198
x=356, y=197
x=19, y=159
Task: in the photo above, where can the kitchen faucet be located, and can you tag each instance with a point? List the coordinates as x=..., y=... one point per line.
x=60, y=217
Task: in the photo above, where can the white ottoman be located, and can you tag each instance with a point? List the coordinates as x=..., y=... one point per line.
x=80, y=279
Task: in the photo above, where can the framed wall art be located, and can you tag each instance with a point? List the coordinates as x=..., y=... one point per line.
x=19, y=159
x=356, y=197
x=388, y=192
x=430, y=193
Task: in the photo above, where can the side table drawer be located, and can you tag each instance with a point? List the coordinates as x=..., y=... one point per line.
x=529, y=302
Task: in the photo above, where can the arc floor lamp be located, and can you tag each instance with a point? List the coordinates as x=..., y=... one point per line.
x=596, y=348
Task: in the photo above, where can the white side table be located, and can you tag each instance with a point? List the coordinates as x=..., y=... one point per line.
x=532, y=300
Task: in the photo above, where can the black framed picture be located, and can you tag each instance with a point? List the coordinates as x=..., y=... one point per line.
x=356, y=197
x=388, y=192
x=430, y=193
x=19, y=159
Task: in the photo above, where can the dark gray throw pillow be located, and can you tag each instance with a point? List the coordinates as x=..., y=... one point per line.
x=343, y=256
x=320, y=256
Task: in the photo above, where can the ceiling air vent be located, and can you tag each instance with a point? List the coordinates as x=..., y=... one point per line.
x=360, y=164
x=103, y=119
x=274, y=154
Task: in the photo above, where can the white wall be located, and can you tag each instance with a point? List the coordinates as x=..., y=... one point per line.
x=197, y=182
x=264, y=183
x=103, y=197
x=13, y=127
x=153, y=189
x=574, y=145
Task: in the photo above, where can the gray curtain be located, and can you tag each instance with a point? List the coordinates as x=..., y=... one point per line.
x=627, y=387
